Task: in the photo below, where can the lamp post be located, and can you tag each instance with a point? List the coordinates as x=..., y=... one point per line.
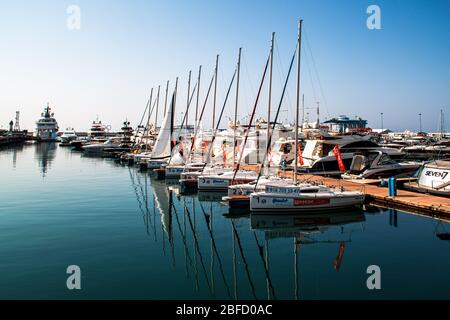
x=420, y=122
x=381, y=114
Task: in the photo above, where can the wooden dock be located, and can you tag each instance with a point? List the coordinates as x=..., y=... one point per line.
x=409, y=201
x=405, y=200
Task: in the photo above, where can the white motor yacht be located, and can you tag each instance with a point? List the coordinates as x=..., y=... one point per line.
x=98, y=131
x=68, y=136
x=99, y=148
x=376, y=164
x=46, y=126
x=318, y=157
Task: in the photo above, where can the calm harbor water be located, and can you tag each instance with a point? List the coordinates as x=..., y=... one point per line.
x=137, y=238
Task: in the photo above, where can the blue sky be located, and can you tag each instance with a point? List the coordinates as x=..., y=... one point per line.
x=126, y=47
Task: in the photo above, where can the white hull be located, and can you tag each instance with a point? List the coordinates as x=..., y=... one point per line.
x=46, y=135
x=156, y=164
x=434, y=178
x=273, y=202
x=247, y=189
x=189, y=175
x=47, y=127
x=174, y=171
x=222, y=182
x=96, y=149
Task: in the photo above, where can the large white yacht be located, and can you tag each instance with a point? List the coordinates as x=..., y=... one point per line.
x=46, y=126
x=98, y=131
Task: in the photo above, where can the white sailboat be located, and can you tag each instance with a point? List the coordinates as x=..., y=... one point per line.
x=222, y=181
x=301, y=197
x=163, y=146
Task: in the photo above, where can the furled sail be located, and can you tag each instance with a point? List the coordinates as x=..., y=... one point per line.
x=162, y=148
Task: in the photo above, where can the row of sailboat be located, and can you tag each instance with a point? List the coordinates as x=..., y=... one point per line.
x=245, y=160
x=241, y=158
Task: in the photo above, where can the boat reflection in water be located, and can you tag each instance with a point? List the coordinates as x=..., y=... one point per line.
x=303, y=228
x=235, y=266
x=155, y=201
x=293, y=224
x=45, y=153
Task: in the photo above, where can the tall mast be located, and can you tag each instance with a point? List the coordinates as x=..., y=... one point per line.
x=215, y=93
x=187, y=101
x=149, y=113
x=172, y=115
x=165, y=100
x=318, y=115
x=303, y=111
x=175, y=96
x=157, y=107
x=299, y=46
x=236, y=105
x=198, y=96
x=270, y=102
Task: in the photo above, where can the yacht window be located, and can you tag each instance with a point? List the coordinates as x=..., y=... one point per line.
x=385, y=159
x=285, y=148
x=309, y=190
x=327, y=148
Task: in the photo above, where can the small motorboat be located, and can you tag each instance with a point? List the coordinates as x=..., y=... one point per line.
x=67, y=137
x=99, y=148
x=303, y=197
x=376, y=164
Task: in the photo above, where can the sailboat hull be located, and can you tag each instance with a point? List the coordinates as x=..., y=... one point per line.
x=262, y=202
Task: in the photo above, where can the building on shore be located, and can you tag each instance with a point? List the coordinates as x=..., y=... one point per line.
x=344, y=124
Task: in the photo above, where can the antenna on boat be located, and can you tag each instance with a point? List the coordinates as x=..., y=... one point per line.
x=299, y=44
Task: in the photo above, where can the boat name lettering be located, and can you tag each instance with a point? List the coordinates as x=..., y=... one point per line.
x=436, y=174
x=307, y=202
